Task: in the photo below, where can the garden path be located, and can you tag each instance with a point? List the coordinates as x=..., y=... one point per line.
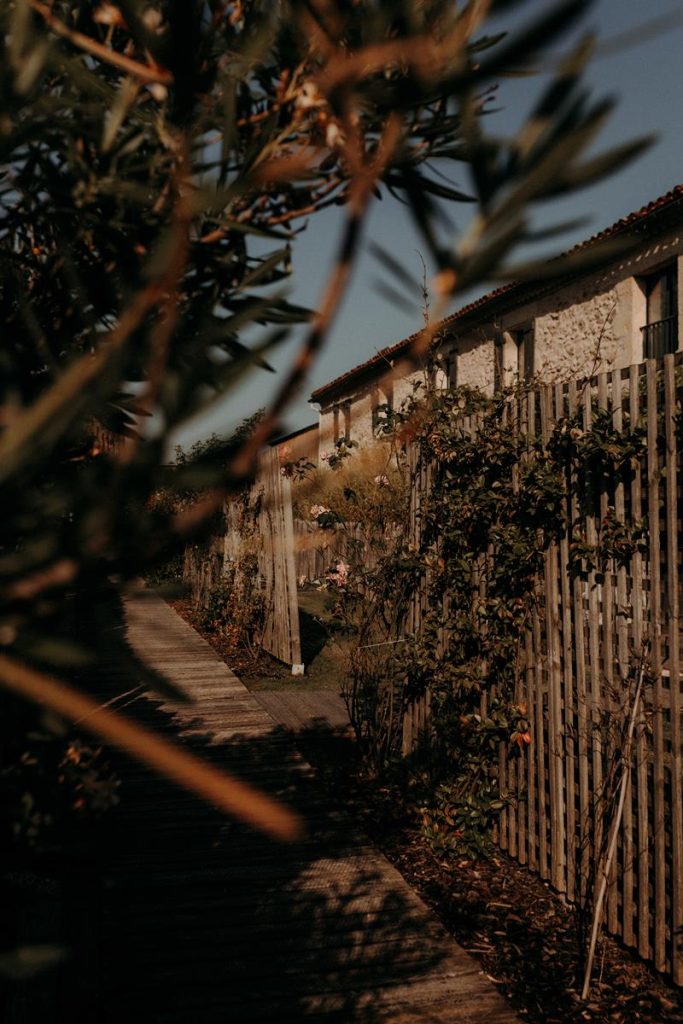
x=301, y=709
x=204, y=920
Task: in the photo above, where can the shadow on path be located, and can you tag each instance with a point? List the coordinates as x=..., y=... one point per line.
x=184, y=915
x=205, y=920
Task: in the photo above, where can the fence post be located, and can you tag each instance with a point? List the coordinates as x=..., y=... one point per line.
x=673, y=611
x=659, y=822
x=555, y=746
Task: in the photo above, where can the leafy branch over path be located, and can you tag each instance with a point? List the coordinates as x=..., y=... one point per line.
x=144, y=150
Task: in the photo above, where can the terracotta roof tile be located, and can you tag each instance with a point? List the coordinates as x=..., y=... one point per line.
x=389, y=354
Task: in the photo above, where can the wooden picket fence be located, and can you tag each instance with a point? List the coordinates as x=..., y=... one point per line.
x=202, y=569
x=580, y=648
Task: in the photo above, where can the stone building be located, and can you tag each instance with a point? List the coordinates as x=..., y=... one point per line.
x=611, y=312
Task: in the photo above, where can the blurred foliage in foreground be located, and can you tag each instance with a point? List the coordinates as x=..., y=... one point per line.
x=156, y=162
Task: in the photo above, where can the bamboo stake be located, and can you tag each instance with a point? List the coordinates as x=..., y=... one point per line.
x=616, y=825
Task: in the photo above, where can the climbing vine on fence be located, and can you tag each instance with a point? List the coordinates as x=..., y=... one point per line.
x=497, y=497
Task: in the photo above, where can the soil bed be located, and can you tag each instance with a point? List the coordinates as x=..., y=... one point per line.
x=520, y=931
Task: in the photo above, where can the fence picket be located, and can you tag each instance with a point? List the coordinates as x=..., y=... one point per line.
x=553, y=646
x=593, y=835
x=567, y=680
x=642, y=853
x=659, y=822
x=530, y=846
x=538, y=731
x=522, y=687
x=607, y=635
x=675, y=770
x=624, y=667
x=579, y=707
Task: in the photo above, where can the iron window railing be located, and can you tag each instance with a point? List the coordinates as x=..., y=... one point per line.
x=660, y=338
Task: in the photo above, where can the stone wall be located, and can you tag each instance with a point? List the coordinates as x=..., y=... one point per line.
x=353, y=416
x=590, y=324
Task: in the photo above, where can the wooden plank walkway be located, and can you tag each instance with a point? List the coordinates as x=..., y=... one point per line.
x=301, y=710
x=202, y=920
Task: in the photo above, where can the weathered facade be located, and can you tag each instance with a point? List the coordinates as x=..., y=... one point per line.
x=622, y=311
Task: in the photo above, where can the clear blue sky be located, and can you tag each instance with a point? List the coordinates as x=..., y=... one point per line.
x=647, y=79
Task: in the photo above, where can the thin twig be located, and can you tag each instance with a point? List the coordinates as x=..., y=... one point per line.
x=74, y=381
x=169, y=306
x=383, y=643
x=611, y=849
x=360, y=192
x=119, y=696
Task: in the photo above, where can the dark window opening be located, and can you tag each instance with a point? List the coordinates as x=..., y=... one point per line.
x=660, y=333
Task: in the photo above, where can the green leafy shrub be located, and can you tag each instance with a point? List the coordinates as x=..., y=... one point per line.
x=497, y=498
x=54, y=783
x=234, y=606
x=368, y=487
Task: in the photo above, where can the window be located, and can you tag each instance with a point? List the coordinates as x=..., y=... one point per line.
x=660, y=333
x=506, y=356
x=341, y=422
